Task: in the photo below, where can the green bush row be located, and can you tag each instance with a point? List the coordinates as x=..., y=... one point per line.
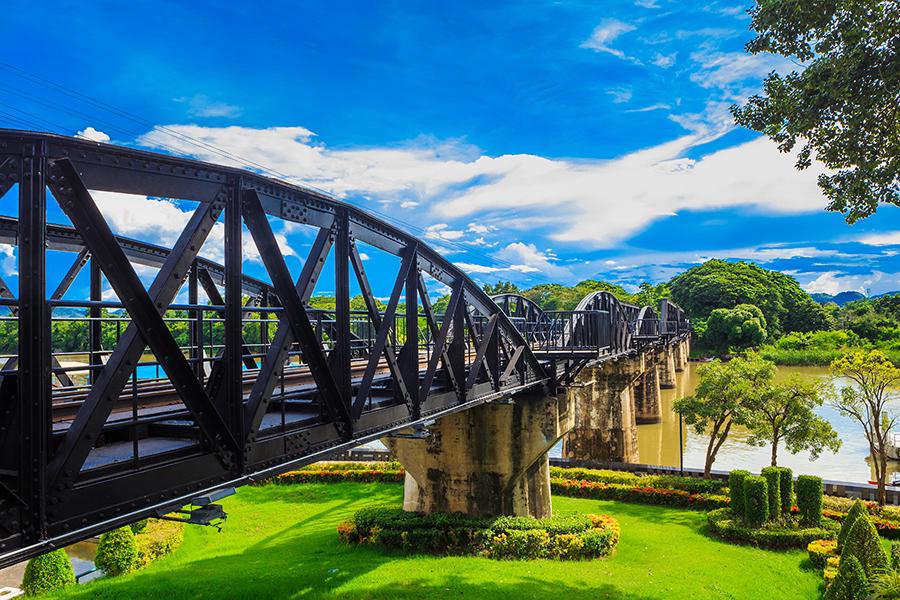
x=694, y=485
x=565, y=537
x=724, y=524
x=640, y=495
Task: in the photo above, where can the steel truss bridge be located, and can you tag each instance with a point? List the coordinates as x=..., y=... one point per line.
x=255, y=381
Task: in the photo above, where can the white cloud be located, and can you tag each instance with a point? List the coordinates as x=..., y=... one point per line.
x=363, y=256
x=527, y=256
x=408, y=204
x=832, y=282
x=596, y=203
x=89, y=133
x=605, y=34
x=664, y=61
x=647, y=3
x=201, y=106
x=620, y=95
x=8, y=262
x=481, y=229
x=890, y=238
x=652, y=107
x=725, y=70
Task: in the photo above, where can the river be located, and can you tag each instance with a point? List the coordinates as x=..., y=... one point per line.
x=658, y=443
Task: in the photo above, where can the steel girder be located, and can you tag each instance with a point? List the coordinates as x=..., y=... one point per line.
x=50, y=496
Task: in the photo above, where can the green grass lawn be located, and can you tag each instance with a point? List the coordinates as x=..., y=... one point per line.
x=280, y=542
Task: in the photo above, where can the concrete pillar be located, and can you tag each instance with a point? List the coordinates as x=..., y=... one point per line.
x=603, y=403
x=665, y=366
x=686, y=350
x=646, y=394
x=678, y=357
x=488, y=460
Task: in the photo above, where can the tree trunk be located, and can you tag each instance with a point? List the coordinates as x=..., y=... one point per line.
x=882, y=493
x=774, y=453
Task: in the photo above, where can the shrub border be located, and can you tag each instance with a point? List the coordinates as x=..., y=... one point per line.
x=722, y=524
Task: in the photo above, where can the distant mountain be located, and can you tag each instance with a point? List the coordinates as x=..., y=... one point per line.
x=842, y=298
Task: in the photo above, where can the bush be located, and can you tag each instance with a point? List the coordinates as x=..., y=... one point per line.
x=693, y=485
x=725, y=525
x=772, y=475
x=736, y=490
x=809, y=499
x=117, y=552
x=640, y=495
x=857, y=510
x=158, y=538
x=786, y=481
x=561, y=537
x=820, y=550
x=895, y=556
x=756, y=501
x=48, y=572
x=850, y=582
x=863, y=543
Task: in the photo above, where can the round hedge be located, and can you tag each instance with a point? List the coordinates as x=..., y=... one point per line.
x=117, y=552
x=725, y=525
x=48, y=572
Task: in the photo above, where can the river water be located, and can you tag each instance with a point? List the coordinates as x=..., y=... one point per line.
x=658, y=443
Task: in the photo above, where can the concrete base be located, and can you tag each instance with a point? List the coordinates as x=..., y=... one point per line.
x=665, y=366
x=647, y=407
x=605, y=425
x=489, y=460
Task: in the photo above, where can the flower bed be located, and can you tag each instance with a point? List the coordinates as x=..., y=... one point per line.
x=563, y=538
x=641, y=495
x=774, y=535
x=310, y=475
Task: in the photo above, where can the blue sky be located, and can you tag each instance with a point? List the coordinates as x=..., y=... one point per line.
x=531, y=141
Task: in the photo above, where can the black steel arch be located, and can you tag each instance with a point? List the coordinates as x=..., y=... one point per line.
x=50, y=491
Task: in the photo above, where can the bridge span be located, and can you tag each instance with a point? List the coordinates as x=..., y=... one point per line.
x=164, y=397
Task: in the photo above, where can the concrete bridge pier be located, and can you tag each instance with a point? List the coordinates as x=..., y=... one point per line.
x=603, y=403
x=488, y=460
x=647, y=406
x=665, y=366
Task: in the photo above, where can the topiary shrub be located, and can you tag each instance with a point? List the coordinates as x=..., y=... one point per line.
x=857, y=509
x=863, y=543
x=786, y=481
x=158, y=539
x=895, y=556
x=773, y=489
x=850, y=583
x=117, y=552
x=809, y=499
x=48, y=572
x=736, y=490
x=756, y=501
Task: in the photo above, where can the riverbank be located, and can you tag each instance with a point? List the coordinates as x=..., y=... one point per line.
x=280, y=542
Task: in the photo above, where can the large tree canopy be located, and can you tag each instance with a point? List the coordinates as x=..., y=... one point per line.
x=842, y=104
x=735, y=329
x=721, y=284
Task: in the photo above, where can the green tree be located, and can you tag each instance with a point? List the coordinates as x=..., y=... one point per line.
x=722, y=399
x=735, y=329
x=875, y=380
x=841, y=105
x=720, y=284
x=786, y=412
x=501, y=287
x=48, y=572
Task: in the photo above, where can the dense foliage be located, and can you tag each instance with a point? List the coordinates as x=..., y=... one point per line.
x=840, y=104
x=117, y=552
x=809, y=499
x=725, y=525
x=48, y=572
x=721, y=284
x=565, y=538
x=735, y=329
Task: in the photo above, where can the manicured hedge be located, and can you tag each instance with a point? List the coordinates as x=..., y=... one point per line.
x=863, y=543
x=857, y=510
x=772, y=475
x=851, y=582
x=117, y=552
x=756, y=501
x=157, y=539
x=565, y=538
x=48, y=572
x=723, y=524
x=694, y=485
x=336, y=476
x=809, y=499
x=786, y=483
x=640, y=495
x=736, y=490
